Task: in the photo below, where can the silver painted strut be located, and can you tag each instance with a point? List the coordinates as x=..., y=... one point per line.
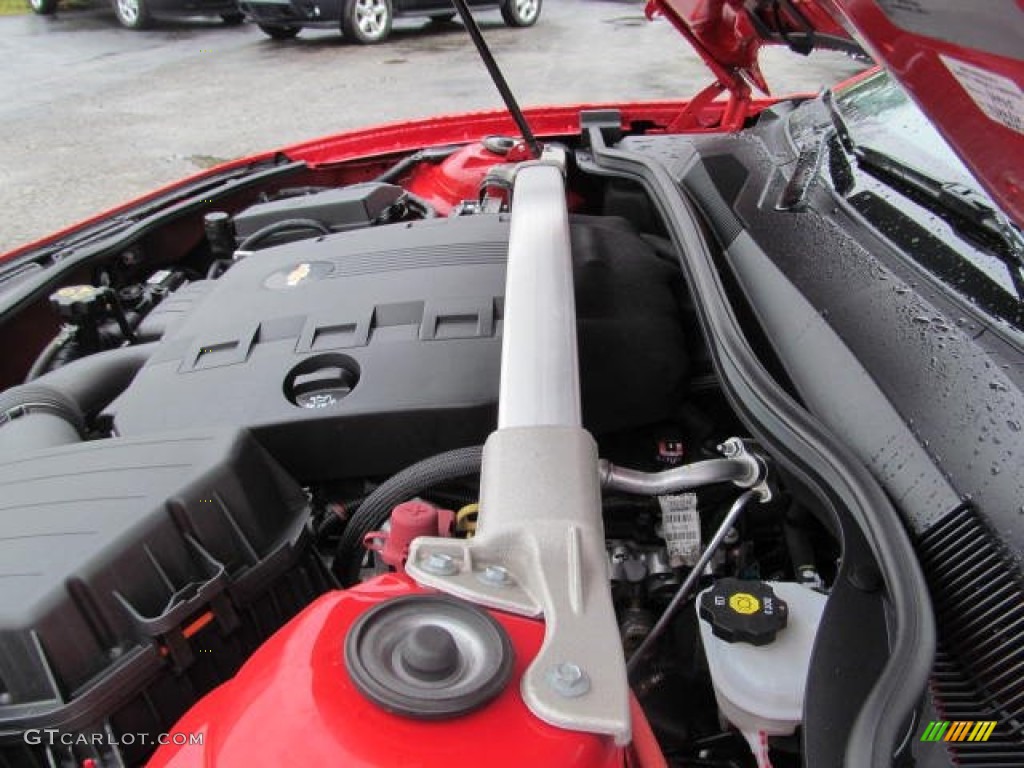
x=540, y=380
x=540, y=496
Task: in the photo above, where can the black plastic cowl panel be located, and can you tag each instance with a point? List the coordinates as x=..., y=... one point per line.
x=978, y=590
x=954, y=379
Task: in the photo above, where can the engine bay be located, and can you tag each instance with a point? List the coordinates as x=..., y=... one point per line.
x=396, y=331
x=345, y=402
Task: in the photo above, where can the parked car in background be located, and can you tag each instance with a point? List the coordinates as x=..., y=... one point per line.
x=139, y=14
x=369, y=21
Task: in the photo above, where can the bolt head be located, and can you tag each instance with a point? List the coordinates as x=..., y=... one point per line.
x=568, y=672
x=439, y=564
x=496, y=576
x=568, y=680
x=731, y=448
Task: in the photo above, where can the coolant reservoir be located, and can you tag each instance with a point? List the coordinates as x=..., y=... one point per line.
x=758, y=638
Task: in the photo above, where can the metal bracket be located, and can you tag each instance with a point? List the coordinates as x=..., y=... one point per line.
x=540, y=520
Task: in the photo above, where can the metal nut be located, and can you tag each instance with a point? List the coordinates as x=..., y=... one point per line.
x=496, y=576
x=439, y=564
x=568, y=680
x=731, y=448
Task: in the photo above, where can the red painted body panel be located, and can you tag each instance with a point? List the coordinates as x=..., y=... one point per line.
x=294, y=704
x=458, y=178
x=992, y=150
x=473, y=126
x=727, y=33
x=396, y=138
x=723, y=36
x=985, y=126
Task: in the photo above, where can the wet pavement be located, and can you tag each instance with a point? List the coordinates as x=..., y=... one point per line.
x=93, y=114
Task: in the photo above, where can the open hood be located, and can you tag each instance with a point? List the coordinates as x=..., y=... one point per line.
x=961, y=62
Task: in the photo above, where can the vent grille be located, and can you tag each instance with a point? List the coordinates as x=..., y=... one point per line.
x=423, y=257
x=978, y=593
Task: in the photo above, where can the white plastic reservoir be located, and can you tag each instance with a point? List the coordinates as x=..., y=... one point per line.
x=760, y=689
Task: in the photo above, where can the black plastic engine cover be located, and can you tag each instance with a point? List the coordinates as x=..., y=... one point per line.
x=359, y=353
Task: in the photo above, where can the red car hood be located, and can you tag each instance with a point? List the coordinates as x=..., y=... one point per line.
x=960, y=61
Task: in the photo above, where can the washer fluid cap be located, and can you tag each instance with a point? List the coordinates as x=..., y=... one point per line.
x=743, y=611
x=428, y=657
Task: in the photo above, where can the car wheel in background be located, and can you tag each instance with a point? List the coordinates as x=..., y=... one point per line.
x=279, y=33
x=133, y=14
x=520, y=13
x=233, y=19
x=366, y=21
x=43, y=7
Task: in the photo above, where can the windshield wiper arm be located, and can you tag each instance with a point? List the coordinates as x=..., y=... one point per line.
x=838, y=121
x=967, y=206
x=795, y=195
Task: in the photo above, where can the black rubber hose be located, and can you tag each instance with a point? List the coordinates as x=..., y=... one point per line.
x=52, y=409
x=94, y=381
x=420, y=206
x=217, y=268
x=38, y=396
x=410, y=482
x=49, y=353
x=277, y=227
x=332, y=520
x=34, y=416
x=801, y=551
x=432, y=155
x=400, y=168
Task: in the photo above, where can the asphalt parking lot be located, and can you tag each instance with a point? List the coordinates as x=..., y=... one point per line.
x=94, y=114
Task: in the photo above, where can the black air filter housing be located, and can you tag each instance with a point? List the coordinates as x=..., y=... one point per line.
x=140, y=568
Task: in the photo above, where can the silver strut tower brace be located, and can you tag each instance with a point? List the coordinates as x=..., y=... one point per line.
x=539, y=548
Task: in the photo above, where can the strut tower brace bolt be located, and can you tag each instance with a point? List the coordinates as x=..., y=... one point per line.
x=496, y=576
x=568, y=680
x=440, y=564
